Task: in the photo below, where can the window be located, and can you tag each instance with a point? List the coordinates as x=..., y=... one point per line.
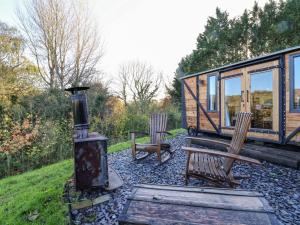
x=212, y=93
x=295, y=83
x=232, y=100
x=261, y=100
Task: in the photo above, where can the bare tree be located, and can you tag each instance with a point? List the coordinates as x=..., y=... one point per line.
x=140, y=82
x=63, y=39
x=123, y=82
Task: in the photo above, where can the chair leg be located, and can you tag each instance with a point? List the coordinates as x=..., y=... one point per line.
x=232, y=182
x=187, y=169
x=158, y=151
x=186, y=180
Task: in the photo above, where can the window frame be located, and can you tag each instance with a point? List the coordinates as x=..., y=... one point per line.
x=273, y=89
x=216, y=75
x=292, y=85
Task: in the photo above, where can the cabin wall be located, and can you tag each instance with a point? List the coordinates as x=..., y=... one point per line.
x=190, y=103
x=292, y=118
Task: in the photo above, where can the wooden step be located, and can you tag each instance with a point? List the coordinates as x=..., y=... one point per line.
x=271, y=156
x=170, y=205
x=275, y=155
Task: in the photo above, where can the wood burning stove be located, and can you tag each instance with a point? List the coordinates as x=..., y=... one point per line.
x=90, y=149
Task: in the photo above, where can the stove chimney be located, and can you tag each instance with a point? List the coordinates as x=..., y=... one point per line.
x=80, y=111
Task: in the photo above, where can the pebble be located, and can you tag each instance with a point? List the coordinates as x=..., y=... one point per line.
x=280, y=185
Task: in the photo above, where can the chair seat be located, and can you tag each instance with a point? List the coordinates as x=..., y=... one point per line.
x=206, y=165
x=165, y=146
x=146, y=147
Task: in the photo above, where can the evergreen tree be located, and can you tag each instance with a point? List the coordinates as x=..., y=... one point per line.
x=261, y=30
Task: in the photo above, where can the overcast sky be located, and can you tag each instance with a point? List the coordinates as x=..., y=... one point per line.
x=159, y=32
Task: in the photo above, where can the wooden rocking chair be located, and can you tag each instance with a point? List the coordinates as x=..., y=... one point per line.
x=215, y=166
x=158, y=126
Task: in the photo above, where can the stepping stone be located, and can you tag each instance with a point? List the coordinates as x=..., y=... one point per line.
x=82, y=204
x=101, y=199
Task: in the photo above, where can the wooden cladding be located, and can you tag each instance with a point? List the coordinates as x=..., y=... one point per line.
x=190, y=103
x=281, y=122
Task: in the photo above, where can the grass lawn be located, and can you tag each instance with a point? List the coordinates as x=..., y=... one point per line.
x=35, y=197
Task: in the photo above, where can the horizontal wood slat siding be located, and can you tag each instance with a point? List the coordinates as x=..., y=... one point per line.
x=190, y=103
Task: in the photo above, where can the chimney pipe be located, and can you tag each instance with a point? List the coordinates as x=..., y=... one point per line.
x=80, y=111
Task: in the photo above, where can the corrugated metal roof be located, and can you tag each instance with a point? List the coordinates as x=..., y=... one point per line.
x=241, y=63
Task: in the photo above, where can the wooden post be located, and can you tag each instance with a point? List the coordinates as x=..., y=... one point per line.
x=133, y=146
x=158, y=149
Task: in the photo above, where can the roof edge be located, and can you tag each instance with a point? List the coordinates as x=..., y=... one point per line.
x=243, y=62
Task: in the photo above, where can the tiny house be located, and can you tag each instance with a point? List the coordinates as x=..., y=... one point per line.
x=267, y=86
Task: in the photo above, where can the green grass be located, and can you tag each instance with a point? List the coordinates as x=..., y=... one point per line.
x=40, y=191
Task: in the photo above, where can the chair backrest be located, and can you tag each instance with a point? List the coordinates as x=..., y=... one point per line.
x=238, y=138
x=158, y=122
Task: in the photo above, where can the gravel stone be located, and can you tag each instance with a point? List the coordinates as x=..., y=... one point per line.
x=279, y=185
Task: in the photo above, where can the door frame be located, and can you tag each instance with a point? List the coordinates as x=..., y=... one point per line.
x=278, y=64
x=275, y=98
x=222, y=97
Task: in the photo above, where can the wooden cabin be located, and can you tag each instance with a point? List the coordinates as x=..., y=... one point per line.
x=267, y=86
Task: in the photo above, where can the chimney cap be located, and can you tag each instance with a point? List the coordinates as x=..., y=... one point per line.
x=75, y=90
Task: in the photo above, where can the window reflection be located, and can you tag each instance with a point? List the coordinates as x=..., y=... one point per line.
x=212, y=98
x=232, y=100
x=262, y=100
x=296, y=100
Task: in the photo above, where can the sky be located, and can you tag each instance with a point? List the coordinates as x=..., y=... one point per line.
x=158, y=32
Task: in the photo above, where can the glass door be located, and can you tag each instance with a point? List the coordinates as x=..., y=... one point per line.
x=252, y=91
x=262, y=99
x=232, y=100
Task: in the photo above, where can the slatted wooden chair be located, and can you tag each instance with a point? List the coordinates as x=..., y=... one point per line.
x=158, y=126
x=214, y=165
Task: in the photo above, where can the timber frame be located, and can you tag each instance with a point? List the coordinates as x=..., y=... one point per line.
x=286, y=121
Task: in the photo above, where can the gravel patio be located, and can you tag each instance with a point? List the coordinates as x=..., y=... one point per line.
x=280, y=185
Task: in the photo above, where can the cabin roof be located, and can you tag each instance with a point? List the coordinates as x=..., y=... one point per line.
x=240, y=64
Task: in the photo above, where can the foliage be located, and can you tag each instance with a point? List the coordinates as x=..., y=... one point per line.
x=258, y=31
x=174, y=91
x=36, y=123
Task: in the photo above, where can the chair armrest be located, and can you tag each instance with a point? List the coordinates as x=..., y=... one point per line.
x=139, y=132
x=163, y=132
x=209, y=140
x=133, y=134
x=222, y=154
